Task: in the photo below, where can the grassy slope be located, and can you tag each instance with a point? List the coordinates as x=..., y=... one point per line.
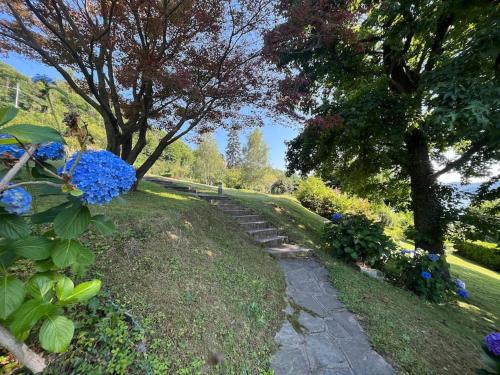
x=418, y=337
x=200, y=286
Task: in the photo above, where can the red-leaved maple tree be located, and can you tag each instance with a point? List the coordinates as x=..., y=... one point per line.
x=177, y=66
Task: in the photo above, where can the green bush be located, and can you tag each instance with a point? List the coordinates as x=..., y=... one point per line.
x=355, y=238
x=313, y=194
x=484, y=253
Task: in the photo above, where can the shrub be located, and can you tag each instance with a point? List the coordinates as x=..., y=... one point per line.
x=285, y=185
x=423, y=273
x=484, y=253
x=355, y=238
x=40, y=251
x=313, y=194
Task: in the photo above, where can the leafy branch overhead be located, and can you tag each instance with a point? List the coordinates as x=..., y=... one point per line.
x=176, y=66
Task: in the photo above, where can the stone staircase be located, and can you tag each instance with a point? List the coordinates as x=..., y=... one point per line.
x=254, y=225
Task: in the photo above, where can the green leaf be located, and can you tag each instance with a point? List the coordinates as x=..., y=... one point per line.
x=104, y=224
x=64, y=288
x=72, y=221
x=33, y=133
x=49, y=215
x=44, y=265
x=39, y=286
x=7, y=114
x=28, y=315
x=56, y=334
x=13, y=227
x=65, y=252
x=11, y=295
x=84, y=259
x=7, y=254
x=83, y=292
x=33, y=247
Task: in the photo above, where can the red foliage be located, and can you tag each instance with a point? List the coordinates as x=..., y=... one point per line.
x=177, y=66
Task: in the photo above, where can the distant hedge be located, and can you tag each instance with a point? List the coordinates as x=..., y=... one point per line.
x=484, y=253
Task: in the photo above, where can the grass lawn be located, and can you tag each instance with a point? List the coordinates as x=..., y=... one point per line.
x=416, y=336
x=189, y=276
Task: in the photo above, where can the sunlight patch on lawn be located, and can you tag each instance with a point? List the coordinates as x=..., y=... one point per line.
x=452, y=259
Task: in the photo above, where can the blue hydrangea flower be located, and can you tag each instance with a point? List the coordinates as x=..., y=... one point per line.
x=10, y=151
x=492, y=342
x=101, y=175
x=459, y=283
x=425, y=275
x=463, y=293
x=336, y=217
x=433, y=257
x=50, y=151
x=16, y=200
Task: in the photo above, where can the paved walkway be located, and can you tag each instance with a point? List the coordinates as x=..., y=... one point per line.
x=320, y=337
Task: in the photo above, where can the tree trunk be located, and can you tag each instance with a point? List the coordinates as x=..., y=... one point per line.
x=112, y=138
x=148, y=163
x=427, y=208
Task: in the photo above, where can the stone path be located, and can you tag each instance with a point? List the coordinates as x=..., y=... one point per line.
x=320, y=337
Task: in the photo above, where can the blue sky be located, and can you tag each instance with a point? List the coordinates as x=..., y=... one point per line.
x=275, y=135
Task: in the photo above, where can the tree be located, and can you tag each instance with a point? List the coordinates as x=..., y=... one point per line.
x=209, y=165
x=178, y=66
x=179, y=159
x=390, y=87
x=255, y=161
x=233, y=149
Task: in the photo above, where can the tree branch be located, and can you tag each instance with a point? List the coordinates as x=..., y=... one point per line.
x=473, y=149
x=30, y=359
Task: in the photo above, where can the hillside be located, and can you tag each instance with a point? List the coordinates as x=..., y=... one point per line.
x=181, y=284
x=447, y=337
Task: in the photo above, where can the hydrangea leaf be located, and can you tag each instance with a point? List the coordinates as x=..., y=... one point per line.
x=83, y=292
x=33, y=247
x=56, y=334
x=104, y=224
x=33, y=133
x=12, y=294
x=64, y=288
x=28, y=315
x=40, y=286
x=13, y=227
x=72, y=222
x=7, y=114
x=65, y=252
x=7, y=254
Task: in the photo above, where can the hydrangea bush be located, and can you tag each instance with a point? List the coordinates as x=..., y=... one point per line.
x=491, y=354
x=424, y=273
x=47, y=242
x=355, y=238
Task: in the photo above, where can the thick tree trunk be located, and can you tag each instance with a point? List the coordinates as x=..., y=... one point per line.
x=113, y=143
x=148, y=163
x=427, y=208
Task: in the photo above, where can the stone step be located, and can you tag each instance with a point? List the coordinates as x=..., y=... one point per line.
x=212, y=198
x=271, y=241
x=289, y=251
x=247, y=218
x=239, y=212
x=254, y=225
x=263, y=233
x=229, y=207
